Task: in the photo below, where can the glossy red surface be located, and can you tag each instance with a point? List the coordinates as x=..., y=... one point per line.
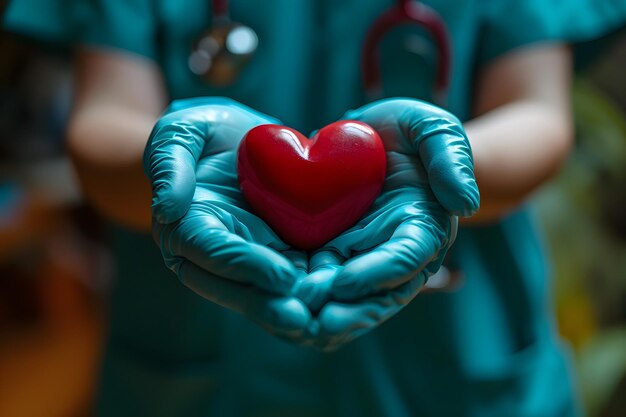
x=310, y=190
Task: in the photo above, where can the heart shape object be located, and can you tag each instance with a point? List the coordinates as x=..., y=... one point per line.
x=311, y=190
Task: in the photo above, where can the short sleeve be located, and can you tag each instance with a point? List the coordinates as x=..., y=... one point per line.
x=509, y=24
x=122, y=24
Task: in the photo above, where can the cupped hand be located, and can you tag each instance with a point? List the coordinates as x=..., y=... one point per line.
x=204, y=228
x=370, y=272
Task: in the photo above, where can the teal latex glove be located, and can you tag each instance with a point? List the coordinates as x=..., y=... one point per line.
x=231, y=257
x=201, y=223
x=371, y=271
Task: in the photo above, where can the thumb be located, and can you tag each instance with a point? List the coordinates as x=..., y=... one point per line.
x=445, y=152
x=170, y=161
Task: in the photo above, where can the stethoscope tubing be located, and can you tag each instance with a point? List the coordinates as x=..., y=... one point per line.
x=406, y=12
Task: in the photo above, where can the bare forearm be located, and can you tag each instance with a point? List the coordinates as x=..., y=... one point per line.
x=523, y=131
x=108, y=164
x=517, y=147
x=118, y=99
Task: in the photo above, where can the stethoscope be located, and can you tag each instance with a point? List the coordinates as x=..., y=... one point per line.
x=221, y=52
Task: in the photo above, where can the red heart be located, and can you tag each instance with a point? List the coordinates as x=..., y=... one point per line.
x=310, y=190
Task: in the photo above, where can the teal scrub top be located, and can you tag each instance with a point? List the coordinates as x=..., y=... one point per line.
x=489, y=348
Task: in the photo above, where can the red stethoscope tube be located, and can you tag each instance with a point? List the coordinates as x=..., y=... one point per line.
x=405, y=12
x=220, y=9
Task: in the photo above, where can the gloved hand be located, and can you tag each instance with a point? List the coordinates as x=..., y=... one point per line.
x=202, y=224
x=371, y=271
x=355, y=282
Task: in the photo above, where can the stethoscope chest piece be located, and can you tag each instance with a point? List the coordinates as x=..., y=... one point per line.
x=219, y=54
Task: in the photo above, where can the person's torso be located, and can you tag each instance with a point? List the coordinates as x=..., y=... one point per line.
x=445, y=354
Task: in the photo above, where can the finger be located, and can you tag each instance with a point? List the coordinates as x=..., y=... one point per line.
x=204, y=240
x=377, y=227
x=340, y=323
x=170, y=161
x=188, y=103
x=299, y=259
x=325, y=259
x=178, y=141
x=434, y=266
x=315, y=287
x=412, y=247
x=448, y=161
x=445, y=152
x=282, y=316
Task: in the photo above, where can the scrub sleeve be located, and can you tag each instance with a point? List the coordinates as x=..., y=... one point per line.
x=509, y=344
x=125, y=25
x=512, y=24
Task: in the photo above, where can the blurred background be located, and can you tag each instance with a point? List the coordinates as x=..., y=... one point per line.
x=55, y=267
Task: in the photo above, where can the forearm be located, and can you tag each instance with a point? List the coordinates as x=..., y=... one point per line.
x=523, y=130
x=517, y=147
x=118, y=98
x=106, y=146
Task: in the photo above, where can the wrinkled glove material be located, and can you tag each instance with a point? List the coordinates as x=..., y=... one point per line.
x=219, y=248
